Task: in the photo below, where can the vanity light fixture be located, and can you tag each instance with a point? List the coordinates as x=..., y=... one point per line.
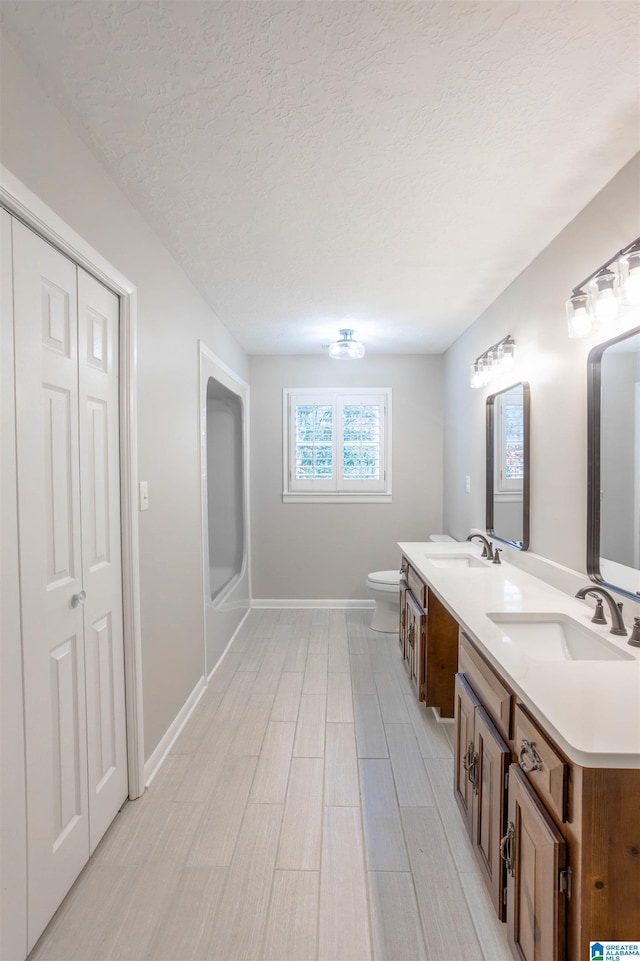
x=597, y=301
x=346, y=348
x=498, y=359
x=632, y=279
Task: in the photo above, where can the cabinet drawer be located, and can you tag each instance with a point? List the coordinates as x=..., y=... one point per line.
x=417, y=587
x=545, y=768
x=494, y=694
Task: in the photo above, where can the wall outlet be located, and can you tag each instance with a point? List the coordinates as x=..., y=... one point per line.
x=143, y=489
x=467, y=484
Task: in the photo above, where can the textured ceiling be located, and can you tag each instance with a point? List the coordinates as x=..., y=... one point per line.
x=389, y=166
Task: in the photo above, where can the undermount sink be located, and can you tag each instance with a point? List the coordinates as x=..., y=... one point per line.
x=455, y=560
x=555, y=637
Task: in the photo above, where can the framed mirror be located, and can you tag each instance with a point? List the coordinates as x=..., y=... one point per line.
x=507, y=461
x=613, y=520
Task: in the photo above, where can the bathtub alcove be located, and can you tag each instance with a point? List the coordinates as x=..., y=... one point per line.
x=225, y=515
x=223, y=423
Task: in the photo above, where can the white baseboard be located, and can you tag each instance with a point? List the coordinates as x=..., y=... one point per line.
x=222, y=656
x=153, y=765
x=441, y=720
x=314, y=602
x=155, y=762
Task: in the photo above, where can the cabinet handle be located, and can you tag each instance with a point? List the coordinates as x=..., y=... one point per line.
x=529, y=759
x=506, y=847
x=411, y=637
x=470, y=764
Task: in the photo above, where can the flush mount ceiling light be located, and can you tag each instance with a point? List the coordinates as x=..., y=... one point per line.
x=346, y=348
x=496, y=360
x=596, y=302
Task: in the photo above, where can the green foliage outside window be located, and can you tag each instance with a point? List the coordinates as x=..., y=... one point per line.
x=314, y=442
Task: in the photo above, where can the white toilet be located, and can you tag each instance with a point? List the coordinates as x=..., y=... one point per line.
x=384, y=588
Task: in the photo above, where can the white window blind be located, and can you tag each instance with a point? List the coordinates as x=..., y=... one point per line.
x=337, y=443
x=510, y=446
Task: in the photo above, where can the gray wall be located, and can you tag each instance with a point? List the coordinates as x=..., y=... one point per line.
x=46, y=154
x=532, y=310
x=327, y=550
x=507, y=519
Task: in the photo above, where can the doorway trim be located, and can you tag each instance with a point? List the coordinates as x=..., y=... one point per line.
x=23, y=204
x=211, y=365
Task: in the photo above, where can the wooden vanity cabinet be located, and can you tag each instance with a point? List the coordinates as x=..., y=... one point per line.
x=520, y=851
x=571, y=835
x=428, y=640
x=481, y=764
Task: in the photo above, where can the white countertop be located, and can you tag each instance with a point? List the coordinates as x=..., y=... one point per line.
x=591, y=709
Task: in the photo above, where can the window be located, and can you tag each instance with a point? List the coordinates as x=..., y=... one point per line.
x=337, y=445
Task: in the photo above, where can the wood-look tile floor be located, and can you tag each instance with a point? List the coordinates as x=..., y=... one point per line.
x=305, y=811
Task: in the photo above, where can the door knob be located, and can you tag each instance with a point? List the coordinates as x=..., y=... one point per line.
x=78, y=599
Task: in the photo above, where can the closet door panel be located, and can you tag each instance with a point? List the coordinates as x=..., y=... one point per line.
x=45, y=319
x=102, y=576
x=13, y=825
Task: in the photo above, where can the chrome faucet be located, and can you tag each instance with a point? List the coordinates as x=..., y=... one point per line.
x=487, y=550
x=615, y=609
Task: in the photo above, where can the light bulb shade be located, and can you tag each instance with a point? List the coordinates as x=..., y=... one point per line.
x=631, y=266
x=606, y=303
x=607, y=307
x=579, y=318
x=508, y=355
x=476, y=380
x=605, y=280
x=346, y=348
x=484, y=368
x=495, y=358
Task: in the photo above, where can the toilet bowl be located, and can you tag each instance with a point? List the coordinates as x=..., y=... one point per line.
x=384, y=588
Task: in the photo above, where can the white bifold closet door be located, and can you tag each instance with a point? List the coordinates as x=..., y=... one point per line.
x=66, y=344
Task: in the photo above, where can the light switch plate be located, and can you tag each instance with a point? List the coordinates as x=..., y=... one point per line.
x=143, y=488
x=467, y=484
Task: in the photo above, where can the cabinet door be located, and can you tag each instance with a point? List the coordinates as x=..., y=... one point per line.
x=410, y=642
x=415, y=637
x=535, y=853
x=493, y=757
x=464, y=766
x=402, y=633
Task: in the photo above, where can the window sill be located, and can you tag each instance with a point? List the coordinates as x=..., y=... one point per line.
x=311, y=497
